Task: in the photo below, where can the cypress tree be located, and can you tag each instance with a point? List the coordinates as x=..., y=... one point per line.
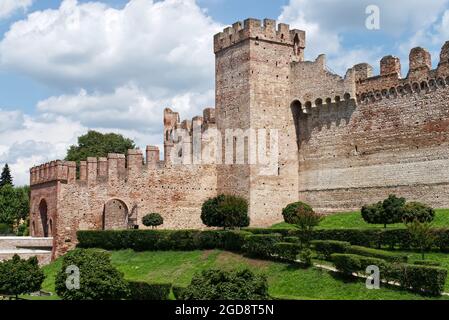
x=6, y=177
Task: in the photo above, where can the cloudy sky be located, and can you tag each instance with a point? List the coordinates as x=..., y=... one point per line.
x=69, y=66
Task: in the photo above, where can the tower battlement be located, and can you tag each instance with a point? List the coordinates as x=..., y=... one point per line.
x=257, y=30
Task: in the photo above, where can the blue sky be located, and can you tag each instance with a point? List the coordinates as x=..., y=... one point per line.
x=67, y=66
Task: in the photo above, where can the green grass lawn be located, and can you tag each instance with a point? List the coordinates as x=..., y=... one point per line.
x=285, y=281
x=353, y=220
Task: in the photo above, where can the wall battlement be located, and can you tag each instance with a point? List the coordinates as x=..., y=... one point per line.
x=179, y=135
x=257, y=30
x=93, y=170
x=420, y=77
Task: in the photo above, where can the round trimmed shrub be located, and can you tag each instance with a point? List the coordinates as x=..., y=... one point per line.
x=153, y=220
x=301, y=214
x=225, y=211
x=417, y=211
x=98, y=278
x=387, y=212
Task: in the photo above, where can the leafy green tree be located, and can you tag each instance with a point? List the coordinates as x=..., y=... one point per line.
x=14, y=204
x=6, y=177
x=99, y=279
x=304, y=217
x=225, y=211
x=226, y=285
x=417, y=211
x=18, y=276
x=422, y=236
x=385, y=212
x=96, y=144
x=152, y=220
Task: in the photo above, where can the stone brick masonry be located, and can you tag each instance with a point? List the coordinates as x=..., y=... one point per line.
x=342, y=142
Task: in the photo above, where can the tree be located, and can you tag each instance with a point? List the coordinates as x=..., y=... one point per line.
x=152, y=220
x=304, y=217
x=226, y=285
x=98, y=278
x=417, y=211
x=385, y=212
x=14, y=204
x=422, y=236
x=6, y=177
x=96, y=144
x=225, y=211
x=19, y=276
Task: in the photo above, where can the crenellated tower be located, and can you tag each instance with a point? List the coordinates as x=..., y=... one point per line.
x=253, y=64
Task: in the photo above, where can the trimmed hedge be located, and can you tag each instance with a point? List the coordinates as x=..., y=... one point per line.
x=287, y=251
x=283, y=231
x=375, y=253
x=146, y=291
x=261, y=245
x=422, y=279
x=162, y=240
x=374, y=238
x=291, y=239
x=179, y=292
x=427, y=263
x=346, y=263
x=328, y=247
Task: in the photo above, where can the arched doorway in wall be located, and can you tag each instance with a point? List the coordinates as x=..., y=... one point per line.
x=43, y=213
x=296, y=109
x=115, y=215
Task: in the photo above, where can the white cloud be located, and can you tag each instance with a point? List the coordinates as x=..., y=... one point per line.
x=35, y=141
x=326, y=22
x=119, y=68
x=128, y=107
x=165, y=44
x=8, y=7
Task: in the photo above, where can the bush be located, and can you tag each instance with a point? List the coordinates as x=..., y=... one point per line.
x=421, y=279
x=287, y=251
x=417, y=211
x=5, y=229
x=99, y=280
x=427, y=263
x=19, y=276
x=225, y=211
x=152, y=220
x=291, y=239
x=305, y=256
x=303, y=216
x=423, y=238
x=162, y=240
x=233, y=240
x=261, y=245
x=387, y=212
x=179, y=292
x=346, y=263
x=381, y=254
x=227, y=285
x=328, y=247
x=145, y=291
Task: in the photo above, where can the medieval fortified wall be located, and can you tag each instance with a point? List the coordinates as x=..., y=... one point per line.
x=340, y=142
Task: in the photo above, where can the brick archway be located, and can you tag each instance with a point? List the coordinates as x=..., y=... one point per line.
x=115, y=215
